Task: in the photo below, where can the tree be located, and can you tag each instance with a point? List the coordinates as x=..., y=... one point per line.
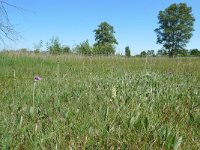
x=127, y=51
x=66, y=50
x=55, y=46
x=23, y=50
x=84, y=48
x=150, y=53
x=175, y=27
x=143, y=54
x=183, y=53
x=104, y=37
x=194, y=52
x=161, y=52
x=7, y=30
x=103, y=49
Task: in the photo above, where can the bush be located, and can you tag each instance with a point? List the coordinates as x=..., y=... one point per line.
x=23, y=50
x=55, y=46
x=127, y=51
x=143, y=54
x=194, y=52
x=66, y=50
x=104, y=49
x=84, y=48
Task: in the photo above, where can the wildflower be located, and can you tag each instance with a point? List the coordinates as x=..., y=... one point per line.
x=37, y=78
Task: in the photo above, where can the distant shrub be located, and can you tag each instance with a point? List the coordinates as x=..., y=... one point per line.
x=127, y=51
x=23, y=50
x=84, y=48
x=194, y=52
x=55, y=46
x=161, y=52
x=101, y=49
x=143, y=54
x=66, y=49
x=150, y=53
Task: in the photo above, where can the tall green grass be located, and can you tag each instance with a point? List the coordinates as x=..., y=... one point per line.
x=99, y=102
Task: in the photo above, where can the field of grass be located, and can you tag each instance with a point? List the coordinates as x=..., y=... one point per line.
x=99, y=102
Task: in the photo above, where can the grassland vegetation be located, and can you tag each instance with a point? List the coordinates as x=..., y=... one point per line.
x=99, y=102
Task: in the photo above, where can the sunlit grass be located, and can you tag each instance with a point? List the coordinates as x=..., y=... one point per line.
x=99, y=102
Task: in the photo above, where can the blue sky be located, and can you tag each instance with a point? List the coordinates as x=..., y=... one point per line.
x=73, y=21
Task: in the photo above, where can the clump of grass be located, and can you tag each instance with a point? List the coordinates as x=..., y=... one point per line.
x=99, y=103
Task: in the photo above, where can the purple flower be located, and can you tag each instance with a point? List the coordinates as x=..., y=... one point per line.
x=37, y=78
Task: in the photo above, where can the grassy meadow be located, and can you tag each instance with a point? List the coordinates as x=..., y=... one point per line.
x=99, y=102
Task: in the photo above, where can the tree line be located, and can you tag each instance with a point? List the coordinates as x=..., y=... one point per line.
x=164, y=52
x=105, y=42
x=173, y=33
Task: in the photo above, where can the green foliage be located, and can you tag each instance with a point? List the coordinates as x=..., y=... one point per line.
x=127, y=51
x=104, y=34
x=143, y=54
x=175, y=27
x=66, y=50
x=183, y=52
x=84, y=48
x=101, y=49
x=194, y=52
x=105, y=39
x=23, y=50
x=162, y=52
x=98, y=103
x=151, y=53
x=54, y=47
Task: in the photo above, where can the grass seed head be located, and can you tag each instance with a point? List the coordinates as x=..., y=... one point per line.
x=114, y=92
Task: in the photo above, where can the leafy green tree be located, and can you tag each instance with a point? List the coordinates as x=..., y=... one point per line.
x=127, y=51
x=183, y=53
x=104, y=37
x=66, y=50
x=143, y=54
x=150, y=53
x=23, y=50
x=194, y=52
x=103, y=49
x=55, y=46
x=161, y=52
x=84, y=48
x=175, y=27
